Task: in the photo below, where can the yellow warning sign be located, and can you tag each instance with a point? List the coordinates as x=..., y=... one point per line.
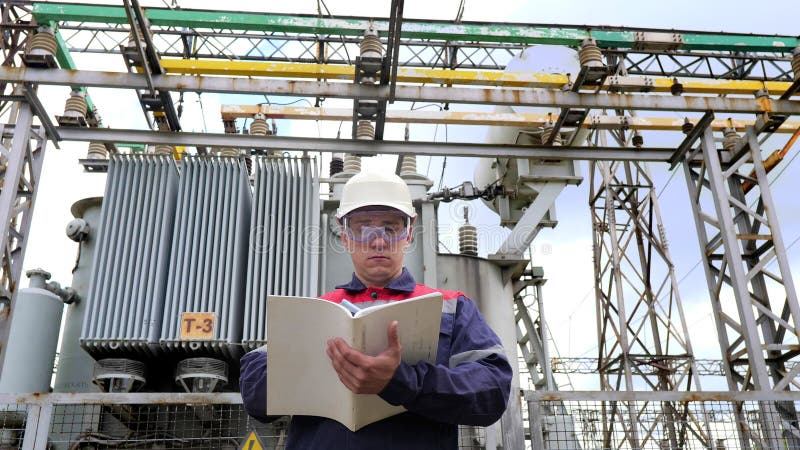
x=252, y=442
x=198, y=325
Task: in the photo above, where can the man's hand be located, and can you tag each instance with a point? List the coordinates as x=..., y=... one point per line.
x=361, y=373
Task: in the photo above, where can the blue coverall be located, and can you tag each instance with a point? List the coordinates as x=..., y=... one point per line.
x=468, y=385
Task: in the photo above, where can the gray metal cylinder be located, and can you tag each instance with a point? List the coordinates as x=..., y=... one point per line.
x=32, y=341
x=482, y=281
x=74, y=364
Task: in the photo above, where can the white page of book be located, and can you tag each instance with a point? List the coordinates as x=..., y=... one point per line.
x=301, y=378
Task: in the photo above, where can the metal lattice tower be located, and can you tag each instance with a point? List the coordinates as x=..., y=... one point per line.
x=643, y=341
x=749, y=280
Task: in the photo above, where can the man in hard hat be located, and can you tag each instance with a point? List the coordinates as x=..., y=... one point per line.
x=468, y=385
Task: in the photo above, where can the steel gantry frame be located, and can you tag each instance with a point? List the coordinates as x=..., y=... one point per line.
x=275, y=37
x=22, y=148
x=632, y=259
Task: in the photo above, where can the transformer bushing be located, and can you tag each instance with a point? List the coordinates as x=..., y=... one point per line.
x=468, y=240
x=687, y=126
x=365, y=130
x=371, y=46
x=638, y=140
x=409, y=166
x=259, y=126
x=43, y=42
x=590, y=54
x=337, y=164
x=225, y=151
x=547, y=131
x=97, y=150
x=796, y=62
x=140, y=32
x=76, y=105
x=352, y=164
x=162, y=149
x=731, y=139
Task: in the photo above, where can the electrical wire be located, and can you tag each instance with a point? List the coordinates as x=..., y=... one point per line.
x=202, y=112
x=344, y=45
x=270, y=103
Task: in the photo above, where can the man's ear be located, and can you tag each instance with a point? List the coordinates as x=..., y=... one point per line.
x=411, y=229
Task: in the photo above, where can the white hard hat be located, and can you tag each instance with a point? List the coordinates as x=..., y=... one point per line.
x=375, y=189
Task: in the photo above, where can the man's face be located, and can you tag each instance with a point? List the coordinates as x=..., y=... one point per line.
x=377, y=241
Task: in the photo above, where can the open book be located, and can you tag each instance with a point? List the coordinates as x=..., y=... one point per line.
x=301, y=379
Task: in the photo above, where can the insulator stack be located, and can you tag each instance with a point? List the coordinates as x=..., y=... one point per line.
x=371, y=46
x=162, y=149
x=43, y=42
x=731, y=139
x=337, y=165
x=97, y=150
x=365, y=130
x=140, y=32
x=409, y=166
x=259, y=126
x=590, y=54
x=76, y=105
x=796, y=62
x=352, y=164
x=638, y=140
x=468, y=240
x=547, y=131
x=687, y=126
x=225, y=151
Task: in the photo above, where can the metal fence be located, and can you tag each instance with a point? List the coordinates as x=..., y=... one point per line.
x=556, y=420
x=146, y=421
x=663, y=420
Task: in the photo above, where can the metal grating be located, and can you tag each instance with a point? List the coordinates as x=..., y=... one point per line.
x=200, y=426
x=126, y=294
x=284, y=239
x=588, y=424
x=13, y=421
x=209, y=255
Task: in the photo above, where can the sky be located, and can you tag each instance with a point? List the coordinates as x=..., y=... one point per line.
x=564, y=252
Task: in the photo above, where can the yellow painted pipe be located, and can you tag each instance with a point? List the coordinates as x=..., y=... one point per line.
x=479, y=118
x=466, y=77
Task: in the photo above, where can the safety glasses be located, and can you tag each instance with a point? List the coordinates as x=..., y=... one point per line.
x=368, y=225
